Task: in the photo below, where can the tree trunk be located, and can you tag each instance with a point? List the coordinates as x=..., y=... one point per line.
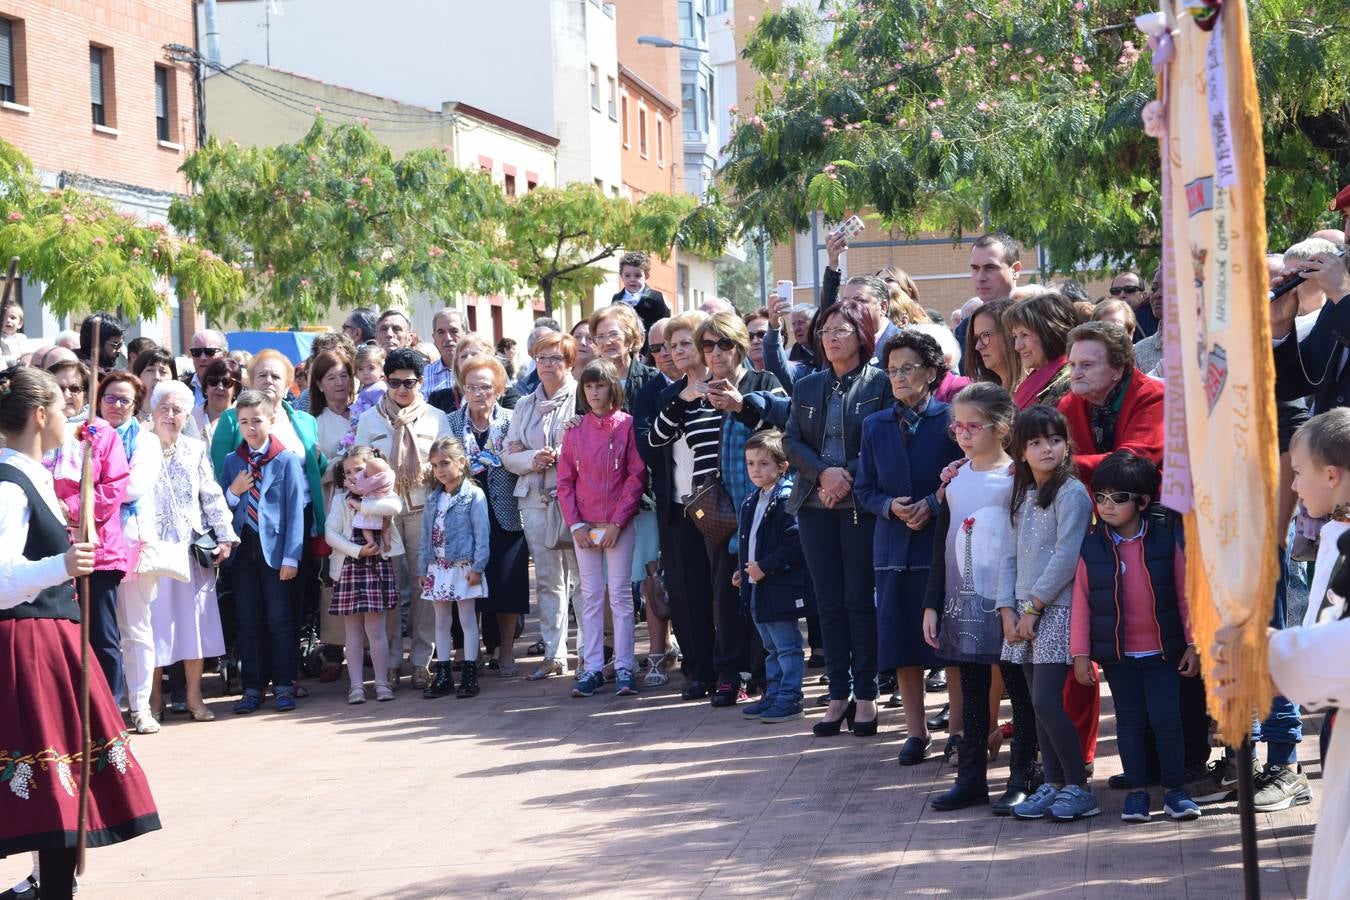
x=546, y=286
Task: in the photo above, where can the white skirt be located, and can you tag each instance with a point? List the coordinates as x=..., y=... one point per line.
x=447, y=582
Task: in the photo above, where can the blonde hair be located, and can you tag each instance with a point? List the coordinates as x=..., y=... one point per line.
x=724, y=325
x=465, y=342
x=686, y=321
x=626, y=319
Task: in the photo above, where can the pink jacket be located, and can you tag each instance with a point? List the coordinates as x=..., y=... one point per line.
x=600, y=475
x=111, y=474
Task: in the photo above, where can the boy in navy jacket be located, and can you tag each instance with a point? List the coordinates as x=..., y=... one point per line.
x=264, y=485
x=771, y=576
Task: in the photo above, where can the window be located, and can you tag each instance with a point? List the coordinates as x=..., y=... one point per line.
x=531, y=185
x=595, y=87
x=642, y=132
x=509, y=183
x=600, y=184
x=660, y=140
x=694, y=20
x=102, y=87
x=702, y=108
x=613, y=99
x=686, y=18
x=166, y=105
x=8, y=53
x=689, y=106
x=623, y=118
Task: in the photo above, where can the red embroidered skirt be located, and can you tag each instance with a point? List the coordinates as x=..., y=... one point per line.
x=40, y=746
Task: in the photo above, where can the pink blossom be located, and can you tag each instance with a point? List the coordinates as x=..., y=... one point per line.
x=827, y=122
x=982, y=106
x=890, y=89
x=15, y=216
x=1007, y=46
x=1039, y=58
x=119, y=238
x=901, y=122
x=99, y=241
x=435, y=252
x=351, y=203
x=365, y=181
x=135, y=251
x=971, y=17
x=67, y=218
x=936, y=134
x=304, y=282
x=1014, y=77
x=1080, y=6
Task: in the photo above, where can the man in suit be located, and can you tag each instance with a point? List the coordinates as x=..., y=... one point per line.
x=650, y=306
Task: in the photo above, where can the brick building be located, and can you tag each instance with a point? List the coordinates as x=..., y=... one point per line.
x=89, y=93
x=647, y=119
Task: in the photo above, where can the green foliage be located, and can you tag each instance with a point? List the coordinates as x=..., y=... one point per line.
x=932, y=111
x=335, y=217
x=739, y=280
x=92, y=258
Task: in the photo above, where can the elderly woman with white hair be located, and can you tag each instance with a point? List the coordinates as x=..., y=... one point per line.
x=187, y=502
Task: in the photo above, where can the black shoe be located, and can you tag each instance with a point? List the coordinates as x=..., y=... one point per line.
x=535, y=649
x=694, y=690
x=886, y=683
x=29, y=892
x=936, y=682
x=815, y=661
x=442, y=683
x=942, y=720
x=960, y=796
x=914, y=751
x=1011, y=797
x=468, y=681
x=866, y=729
x=729, y=692
x=831, y=727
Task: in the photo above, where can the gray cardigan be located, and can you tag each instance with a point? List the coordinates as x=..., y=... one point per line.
x=1042, y=555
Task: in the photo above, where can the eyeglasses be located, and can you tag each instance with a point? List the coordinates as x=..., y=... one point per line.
x=118, y=402
x=174, y=411
x=609, y=337
x=404, y=383
x=726, y=345
x=476, y=388
x=656, y=348
x=72, y=389
x=1115, y=498
x=839, y=333
x=904, y=371
x=219, y=381
x=199, y=352
x=983, y=338
x=968, y=429
x=1127, y=289
x=549, y=360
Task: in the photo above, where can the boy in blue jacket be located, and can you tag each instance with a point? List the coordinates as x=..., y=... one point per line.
x=771, y=576
x=264, y=485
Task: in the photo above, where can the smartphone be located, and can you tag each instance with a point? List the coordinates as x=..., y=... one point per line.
x=596, y=535
x=721, y=385
x=852, y=225
x=784, y=290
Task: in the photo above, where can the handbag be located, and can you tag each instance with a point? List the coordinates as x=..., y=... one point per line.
x=557, y=535
x=711, y=511
x=164, y=559
x=202, y=546
x=654, y=592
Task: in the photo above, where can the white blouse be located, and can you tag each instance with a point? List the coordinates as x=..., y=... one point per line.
x=21, y=580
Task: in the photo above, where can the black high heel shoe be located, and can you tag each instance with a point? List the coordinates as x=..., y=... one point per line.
x=866, y=729
x=831, y=727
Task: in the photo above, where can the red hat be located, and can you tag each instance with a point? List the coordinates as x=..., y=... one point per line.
x=1341, y=201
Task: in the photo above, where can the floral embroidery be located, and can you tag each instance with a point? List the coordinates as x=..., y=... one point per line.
x=18, y=769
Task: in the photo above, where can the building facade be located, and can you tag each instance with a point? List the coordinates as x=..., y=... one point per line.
x=89, y=93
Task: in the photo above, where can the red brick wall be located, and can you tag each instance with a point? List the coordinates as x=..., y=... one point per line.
x=58, y=133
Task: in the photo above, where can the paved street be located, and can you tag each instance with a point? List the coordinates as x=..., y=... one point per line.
x=526, y=792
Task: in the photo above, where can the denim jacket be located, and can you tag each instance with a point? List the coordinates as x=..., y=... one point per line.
x=465, y=527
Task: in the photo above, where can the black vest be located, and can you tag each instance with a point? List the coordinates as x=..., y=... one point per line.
x=47, y=537
x=1101, y=559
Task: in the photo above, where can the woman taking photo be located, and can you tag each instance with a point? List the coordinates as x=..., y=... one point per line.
x=903, y=453
x=187, y=501
x=120, y=394
x=481, y=425
x=533, y=441
x=1040, y=331
x=824, y=435
x=221, y=385
x=41, y=669
x=989, y=353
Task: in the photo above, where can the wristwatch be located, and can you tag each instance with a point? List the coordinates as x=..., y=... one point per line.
x=1029, y=608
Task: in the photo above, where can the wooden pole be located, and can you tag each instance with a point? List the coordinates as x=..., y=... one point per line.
x=11, y=279
x=88, y=533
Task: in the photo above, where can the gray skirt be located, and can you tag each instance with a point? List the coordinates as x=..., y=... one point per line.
x=1051, y=646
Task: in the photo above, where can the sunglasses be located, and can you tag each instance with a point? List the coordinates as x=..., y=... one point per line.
x=72, y=389
x=199, y=352
x=757, y=336
x=726, y=345
x=1115, y=498
x=216, y=381
x=1128, y=289
x=405, y=383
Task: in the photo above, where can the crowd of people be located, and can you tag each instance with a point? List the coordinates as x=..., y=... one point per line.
x=970, y=503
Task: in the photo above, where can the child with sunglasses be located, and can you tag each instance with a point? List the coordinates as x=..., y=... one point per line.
x=1130, y=616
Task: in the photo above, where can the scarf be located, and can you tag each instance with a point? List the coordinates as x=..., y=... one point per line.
x=129, y=433
x=404, y=457
x=482, y=458
x=1103, y=418
x=1029, y=391
x=909, y=418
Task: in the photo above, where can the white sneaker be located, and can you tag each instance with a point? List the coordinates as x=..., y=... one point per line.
x=144, y=722
x=357, y=695
x=383, y=692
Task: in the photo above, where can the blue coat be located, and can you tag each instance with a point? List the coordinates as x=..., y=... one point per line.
x=890, y=466
x=781, y=595
x=465, y=527
x=281, y=508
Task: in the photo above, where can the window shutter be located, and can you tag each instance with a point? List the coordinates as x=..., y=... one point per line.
x=96, y=75
x=6, y=53
x=161, y=93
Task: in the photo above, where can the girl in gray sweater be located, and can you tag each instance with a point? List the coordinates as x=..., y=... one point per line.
x=1051, y=512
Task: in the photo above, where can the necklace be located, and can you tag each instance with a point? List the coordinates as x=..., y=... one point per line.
x=170, y=450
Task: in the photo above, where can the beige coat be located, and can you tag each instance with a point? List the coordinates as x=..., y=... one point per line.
x=373, y=430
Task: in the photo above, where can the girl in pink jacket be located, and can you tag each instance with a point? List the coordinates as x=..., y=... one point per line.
x=600, y=482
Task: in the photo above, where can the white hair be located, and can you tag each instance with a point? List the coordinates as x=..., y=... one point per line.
x=1310, y=248
x=207, y=333
x=68, y=339
x=951, y=350
x=802, y=308
x=171, y=390
x=968, y=308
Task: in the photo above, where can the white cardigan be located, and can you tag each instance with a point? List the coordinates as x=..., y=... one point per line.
x=338, y=530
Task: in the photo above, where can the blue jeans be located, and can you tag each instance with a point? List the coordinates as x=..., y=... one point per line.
x=262, y=598
x=784, y=661
x=839, y=558
x=1147, y=693
x=1283, y=728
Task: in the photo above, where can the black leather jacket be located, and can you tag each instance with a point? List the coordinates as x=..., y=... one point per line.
x=865, y=390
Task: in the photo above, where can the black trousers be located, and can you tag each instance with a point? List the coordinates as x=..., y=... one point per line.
x=105, y=638
x=972, y=751
x=838, y=548
x=736, y=646
x=688, y=574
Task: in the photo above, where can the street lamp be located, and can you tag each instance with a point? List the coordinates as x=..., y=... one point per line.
x=655, y=40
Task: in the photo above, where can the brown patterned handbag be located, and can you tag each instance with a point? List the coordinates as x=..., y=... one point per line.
x=711, y=510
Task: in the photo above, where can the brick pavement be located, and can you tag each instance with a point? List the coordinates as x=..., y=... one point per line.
x=527, y=792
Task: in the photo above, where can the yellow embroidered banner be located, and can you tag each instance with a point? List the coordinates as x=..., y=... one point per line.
x=1218, y=365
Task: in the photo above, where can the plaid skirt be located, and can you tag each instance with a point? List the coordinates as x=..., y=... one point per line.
x=366, y=585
